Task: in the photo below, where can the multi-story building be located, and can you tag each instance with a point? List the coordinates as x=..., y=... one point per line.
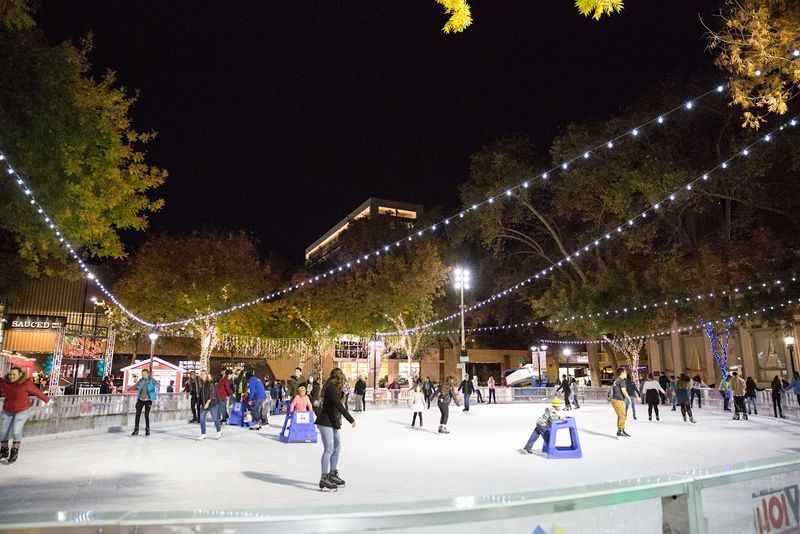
x=405, y=213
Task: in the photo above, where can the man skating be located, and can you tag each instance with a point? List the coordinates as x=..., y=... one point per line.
x=619, y=394
x=739, y=389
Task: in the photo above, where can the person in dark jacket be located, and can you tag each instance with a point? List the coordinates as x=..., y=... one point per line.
x=190, y=387
x=208, y=403
x=566, y=388
x=294, y=382
x=329, y=422
x=466, y=388
x=445, y=396
x=777, y=397
x=750, y=389
x=633, y=396
x=313, y=387
x=682, y=389
x=277, y=394
x=17, y=409
x=663, y=381
x=360, y=391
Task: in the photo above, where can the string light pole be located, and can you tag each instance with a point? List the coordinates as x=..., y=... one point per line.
x=461, y=281
x=789, y=342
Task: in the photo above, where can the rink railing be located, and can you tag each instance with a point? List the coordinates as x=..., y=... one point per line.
x=731, y=498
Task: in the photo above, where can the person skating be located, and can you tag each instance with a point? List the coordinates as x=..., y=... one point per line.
x=777, y=397
x=795, y=386
x=295, y=381
x=466, y=389
x=417, y=401
x=633, y=396
x=672, y=393
x=682, y=393
x=652, y=391
x=543, y=424
x=256, y=395
x=565, y=387
x=476, y=389
x=697, y=391
x=208, y=402
x=360, y=391
x=313, y=389
x=146, y=393
x=277, y=394
x=427, y=389
x=751, y=388
x=190, y=387
x=725, y=393
x=619, y=393
x=16, y=387
x=445, y=396
x=738, y=387
x=492, y=394
x=329, y=422
x=574, y=389
x=224, y=391
x=301, y=402
x=663, y=381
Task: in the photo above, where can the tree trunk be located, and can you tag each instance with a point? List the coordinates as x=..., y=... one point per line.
x=208, y=340
x=135, y=340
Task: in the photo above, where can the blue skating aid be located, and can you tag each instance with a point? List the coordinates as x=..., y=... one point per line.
x=571, y=451
x=298, y=427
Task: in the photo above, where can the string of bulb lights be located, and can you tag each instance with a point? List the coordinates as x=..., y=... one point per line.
x=678, y=330
x=562, y=166
x=744, y=289
x=670, y=199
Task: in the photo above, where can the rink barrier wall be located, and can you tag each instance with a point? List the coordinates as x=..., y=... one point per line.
x=101, y=413
x=685, y=505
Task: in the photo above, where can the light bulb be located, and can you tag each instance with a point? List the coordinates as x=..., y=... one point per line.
x=635, y=132
x=660, y=120
x=720, y=88
x=689, y=104
x=610, y=144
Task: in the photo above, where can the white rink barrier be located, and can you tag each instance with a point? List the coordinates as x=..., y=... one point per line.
x=731, y=498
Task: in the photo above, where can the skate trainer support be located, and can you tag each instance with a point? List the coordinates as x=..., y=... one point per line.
x=681, y=495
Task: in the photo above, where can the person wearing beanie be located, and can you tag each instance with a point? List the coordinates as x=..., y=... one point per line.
x=543, y=424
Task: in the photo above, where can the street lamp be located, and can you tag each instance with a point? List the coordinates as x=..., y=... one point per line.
x=376, y=347
x=153, y=335
x=789, y=341
x=567, y=351
x=461, y=281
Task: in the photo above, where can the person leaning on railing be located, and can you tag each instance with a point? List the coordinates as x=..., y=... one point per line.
x=15, y=387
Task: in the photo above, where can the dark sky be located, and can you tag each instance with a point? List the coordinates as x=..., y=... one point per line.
x=281, y=117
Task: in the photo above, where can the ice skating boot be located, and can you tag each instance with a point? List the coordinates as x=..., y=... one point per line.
x=441, y=429
x=4, y=451
x=684, y=418
x=744, y=416
x=736, y=417
x=692, y=420
x=135, y=432
x=619, y=434
x=333, y=476
x=444, y=429
x=12, y=457
x=626, y=434
x=326, y=485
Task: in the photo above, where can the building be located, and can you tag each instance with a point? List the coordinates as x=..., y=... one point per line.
x=371, y=208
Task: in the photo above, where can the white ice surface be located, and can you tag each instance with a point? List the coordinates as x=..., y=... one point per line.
x=383, y=460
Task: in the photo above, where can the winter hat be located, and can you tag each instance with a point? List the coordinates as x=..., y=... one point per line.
x=556, y=403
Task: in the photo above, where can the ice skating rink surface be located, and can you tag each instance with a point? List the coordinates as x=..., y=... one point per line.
x=383, y=460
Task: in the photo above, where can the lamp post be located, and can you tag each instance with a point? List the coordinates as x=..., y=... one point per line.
x=542, y=355
x=567, y=352
x=375, y=347
x=789, y=341
x=461, y=281
x=153, y=335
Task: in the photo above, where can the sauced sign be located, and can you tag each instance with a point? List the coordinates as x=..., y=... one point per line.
x=35, y=322
x=776, y=511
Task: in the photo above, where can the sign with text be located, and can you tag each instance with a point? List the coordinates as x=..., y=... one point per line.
x=776, y=511
x=35, y=322
x=463, y=357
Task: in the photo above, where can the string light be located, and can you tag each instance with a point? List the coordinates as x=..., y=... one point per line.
x=569, y=257
x=678, y=330
x=182, y=322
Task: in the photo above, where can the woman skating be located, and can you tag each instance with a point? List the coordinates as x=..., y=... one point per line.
x=652, y=391
x=682, y=390
x=417, y=401
x=750, y=395
x=777, y=397
x=15, y=387
x=329, y=421
x=446, y=394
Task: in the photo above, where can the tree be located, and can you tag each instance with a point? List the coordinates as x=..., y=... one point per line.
x=175, y=276
x=759, y=47
x=71, y=135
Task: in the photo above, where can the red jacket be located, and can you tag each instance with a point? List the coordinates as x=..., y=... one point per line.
x=16, y=394
x=224, y=389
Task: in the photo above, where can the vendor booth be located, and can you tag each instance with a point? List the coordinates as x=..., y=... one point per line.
x=163, y=372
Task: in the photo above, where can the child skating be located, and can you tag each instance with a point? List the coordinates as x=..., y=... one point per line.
x=417, y=401
x=543, y=425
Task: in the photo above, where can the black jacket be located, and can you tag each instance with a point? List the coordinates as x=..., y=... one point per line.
x=750, y=388
x=360, y=387
x=566, y=386
x=205, y=392
x=331, y=410
x=466, y=387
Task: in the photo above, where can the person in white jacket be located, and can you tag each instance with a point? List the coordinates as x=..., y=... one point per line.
x=651, y=389
x=417, y=401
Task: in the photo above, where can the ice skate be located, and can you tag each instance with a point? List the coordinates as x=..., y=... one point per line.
x=135, y=433
x=327, y=485
x=12, y=457
x=625, y=434
x=691, y=419
x=444, y=429
x=333, y=476
x=619, y=434
x=3, y=452
x=744, y=416
x=736, y=417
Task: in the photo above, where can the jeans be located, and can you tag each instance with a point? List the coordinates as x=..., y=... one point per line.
x=414, y=419
x=776, y=405
x=480, y=397
x=255, y=409
x=696, y=394
x=214, y=411
x=332, y=446
x=726, y=401
x=444, y=408
x=674, y=399
x=492, y=396
x=575, y=399
x=139, y=405
x=619, y=409
x=11, y=424
x=751, y=405
x=538, y=431
x=360, y=405
x=193, y=402
x=466, y=402
x=686, y=408
x=632, y=403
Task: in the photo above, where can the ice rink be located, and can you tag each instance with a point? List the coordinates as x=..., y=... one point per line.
x=383, y=459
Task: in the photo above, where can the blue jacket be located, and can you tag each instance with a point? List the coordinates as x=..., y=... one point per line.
x=795, y=386
x=151, y=385
x=255, y=389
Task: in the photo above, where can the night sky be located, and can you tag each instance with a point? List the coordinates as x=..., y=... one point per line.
x=281, y=117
